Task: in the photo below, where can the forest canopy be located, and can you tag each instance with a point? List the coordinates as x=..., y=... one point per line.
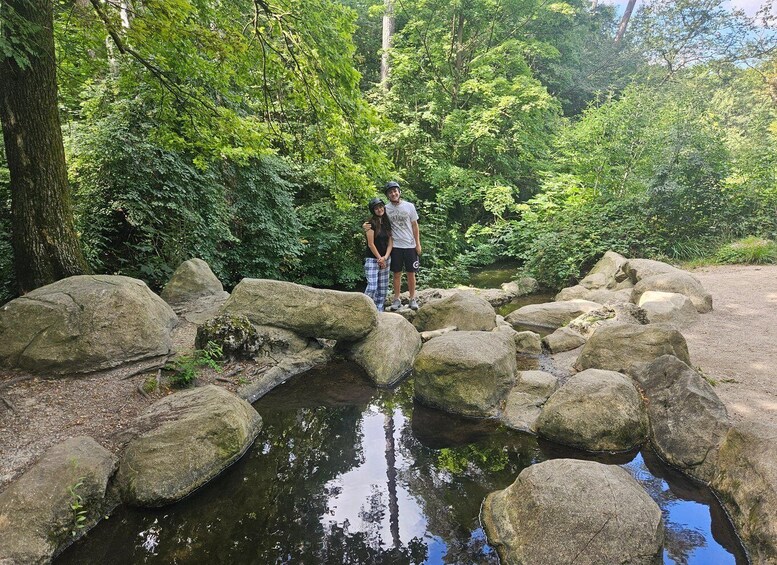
x=252, y=133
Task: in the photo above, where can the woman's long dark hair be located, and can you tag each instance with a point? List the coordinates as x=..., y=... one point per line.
x=379, y=223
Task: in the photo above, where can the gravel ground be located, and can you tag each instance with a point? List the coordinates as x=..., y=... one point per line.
x=735, y=345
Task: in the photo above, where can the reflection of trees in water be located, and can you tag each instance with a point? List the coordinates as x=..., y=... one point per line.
x=469, y=459
x=268, y=507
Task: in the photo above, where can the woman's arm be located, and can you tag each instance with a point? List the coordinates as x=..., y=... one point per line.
x=389, y=248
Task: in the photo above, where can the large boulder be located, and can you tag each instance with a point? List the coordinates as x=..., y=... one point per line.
x=598, y=295
x=608, y=273
x=597, y=411
x=307, y=311
x=573, y=511
x=60, y=497
x=83, y=324
x=466, y=373
x=638, y=269
x=550, y=314
x=687, y=419
x=388, y=351
x=191, y=280
x=747, y=485
x=186, y=439
x=679, y=282
x=464, y=310
x=586, y=324
x=668, y=307
x=532, y=389
x=627, y=348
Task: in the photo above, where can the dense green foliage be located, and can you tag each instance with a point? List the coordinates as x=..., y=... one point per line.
x=252, y=134
x=748, y=250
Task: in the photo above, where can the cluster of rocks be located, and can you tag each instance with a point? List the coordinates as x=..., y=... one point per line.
x=633, y=383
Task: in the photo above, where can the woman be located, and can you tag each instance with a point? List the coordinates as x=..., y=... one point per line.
x=378, y=253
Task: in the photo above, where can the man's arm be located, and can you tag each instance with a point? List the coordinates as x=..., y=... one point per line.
x=416, y=235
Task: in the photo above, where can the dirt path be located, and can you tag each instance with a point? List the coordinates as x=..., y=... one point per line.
x=735, y=345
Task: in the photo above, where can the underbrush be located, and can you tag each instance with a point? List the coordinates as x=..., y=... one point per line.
x=750, y=250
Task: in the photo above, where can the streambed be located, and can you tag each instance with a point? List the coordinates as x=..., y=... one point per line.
x=345, y=473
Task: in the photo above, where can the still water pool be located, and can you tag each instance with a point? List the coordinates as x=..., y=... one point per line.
x=344, y=473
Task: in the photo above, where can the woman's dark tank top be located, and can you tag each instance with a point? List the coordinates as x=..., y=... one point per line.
x=381, y=242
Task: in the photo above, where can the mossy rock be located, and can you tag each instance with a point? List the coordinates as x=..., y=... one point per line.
x=235, y=333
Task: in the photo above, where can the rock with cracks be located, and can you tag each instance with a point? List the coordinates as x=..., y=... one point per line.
x=687, y=419
x=388, y=351
x=83, y=324
x=188, y=438
x=597, y=411
x=37, y=516
x=573, y=511
x=309, y=312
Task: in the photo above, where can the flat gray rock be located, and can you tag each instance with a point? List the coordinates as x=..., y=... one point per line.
x=309, y=312
x=463, y=309
x=550, y=314
x=668, y=307
x=678, y=281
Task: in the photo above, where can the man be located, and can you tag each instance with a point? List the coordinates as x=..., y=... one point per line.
x=407, y=242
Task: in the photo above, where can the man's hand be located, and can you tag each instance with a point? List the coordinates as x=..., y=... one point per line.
x=366, y=226
x=418, y=248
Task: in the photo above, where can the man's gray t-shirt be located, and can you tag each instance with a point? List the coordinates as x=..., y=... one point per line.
x=401, y=216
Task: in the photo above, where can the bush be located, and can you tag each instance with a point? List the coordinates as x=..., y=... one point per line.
x=751, y=250
x=185, y=368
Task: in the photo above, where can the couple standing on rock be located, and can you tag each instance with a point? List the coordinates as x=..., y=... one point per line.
x=393, y=242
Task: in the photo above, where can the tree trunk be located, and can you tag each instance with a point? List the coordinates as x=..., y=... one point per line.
x=45, y=244
x=624, y=22
x=388, y=32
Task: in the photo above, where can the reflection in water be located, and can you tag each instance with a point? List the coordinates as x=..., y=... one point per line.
x=343, y=473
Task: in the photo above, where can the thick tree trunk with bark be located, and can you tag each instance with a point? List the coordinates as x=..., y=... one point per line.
x=45, y=244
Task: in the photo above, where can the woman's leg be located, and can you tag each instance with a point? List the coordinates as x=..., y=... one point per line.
x=371, y=273
x=383, y=281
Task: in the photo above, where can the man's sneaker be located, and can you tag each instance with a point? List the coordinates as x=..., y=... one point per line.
x=397, y=304
x=413, y=304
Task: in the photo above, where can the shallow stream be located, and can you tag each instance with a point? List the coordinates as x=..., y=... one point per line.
x=345, y=473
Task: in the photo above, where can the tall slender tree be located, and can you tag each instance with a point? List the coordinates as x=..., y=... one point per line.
x=624, y=22
x=388, y=32
x=46, y=247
